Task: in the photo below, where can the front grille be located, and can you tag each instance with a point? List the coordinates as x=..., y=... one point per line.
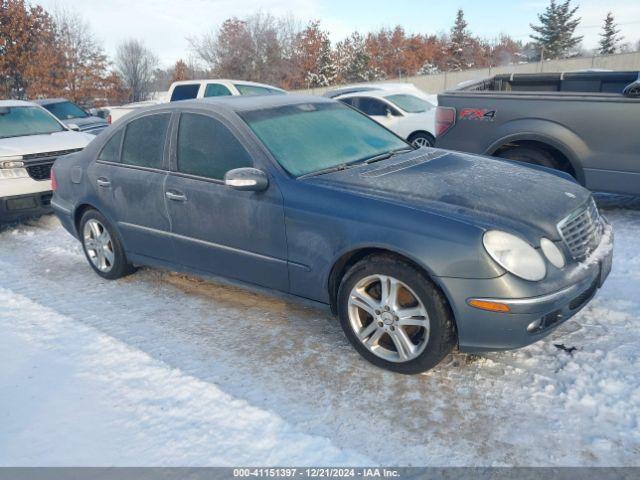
x=40, y=172
x=581, y=230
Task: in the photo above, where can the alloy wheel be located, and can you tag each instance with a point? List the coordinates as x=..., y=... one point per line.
x=388, y=318
x=421, y=142
x=98, y=245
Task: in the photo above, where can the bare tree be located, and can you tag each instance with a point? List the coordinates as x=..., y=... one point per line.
x=85, y=63
x=259, y=47
x=136, y=64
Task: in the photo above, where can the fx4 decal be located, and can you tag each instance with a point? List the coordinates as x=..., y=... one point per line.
x=483, y=114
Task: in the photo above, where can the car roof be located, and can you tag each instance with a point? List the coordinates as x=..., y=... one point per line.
x=225, y=80
x=49, y=101
x=365, y=87
x=16, y=103
x=377, y=93
x=241, y=103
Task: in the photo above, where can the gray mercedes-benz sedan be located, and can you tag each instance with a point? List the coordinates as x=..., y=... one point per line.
x=416, y=250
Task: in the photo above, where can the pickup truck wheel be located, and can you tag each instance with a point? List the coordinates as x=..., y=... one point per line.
x=102, y=246
x=530, y=155
x=421, y=139
x=394, y=316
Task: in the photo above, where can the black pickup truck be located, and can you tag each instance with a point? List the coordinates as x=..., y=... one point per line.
x=584, y=123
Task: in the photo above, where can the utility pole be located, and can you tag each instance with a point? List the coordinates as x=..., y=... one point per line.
x=541, y=58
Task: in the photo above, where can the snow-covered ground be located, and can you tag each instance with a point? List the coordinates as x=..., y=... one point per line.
x=163, y=369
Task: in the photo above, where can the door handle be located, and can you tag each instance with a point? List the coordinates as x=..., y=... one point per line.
x=176, y=196
x=103, y=182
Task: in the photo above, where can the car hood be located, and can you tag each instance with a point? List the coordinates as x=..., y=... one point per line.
x=87, y=122
x=52, y=142
x=481, y=190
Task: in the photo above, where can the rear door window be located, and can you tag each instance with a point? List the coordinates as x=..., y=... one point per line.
x=372, y=106
x=185, y=92
x=216, y=90
x=207, y=148
x=144, y=139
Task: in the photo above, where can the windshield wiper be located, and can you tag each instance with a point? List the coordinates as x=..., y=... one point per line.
x=336, y=168
x=386, y=155
x=366, y=161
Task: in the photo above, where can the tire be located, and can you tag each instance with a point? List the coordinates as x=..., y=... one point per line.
x=536, y=156
x=431, y=332
x=104, y=253
x=421, y=139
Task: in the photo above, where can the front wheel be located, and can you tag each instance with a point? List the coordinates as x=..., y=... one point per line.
x=394, y=316
x=421, y=139
x=102, y=246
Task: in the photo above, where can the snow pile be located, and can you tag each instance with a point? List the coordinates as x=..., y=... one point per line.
x=163, y=369
x=74, y=396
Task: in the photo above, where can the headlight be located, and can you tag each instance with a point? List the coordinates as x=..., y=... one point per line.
x=515, y=255
x=552, y=252
x=11, y=162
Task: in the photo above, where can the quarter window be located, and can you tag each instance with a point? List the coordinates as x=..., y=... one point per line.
x=216, y=90
x=207, y=148
x=111, y=150
x=144, y=141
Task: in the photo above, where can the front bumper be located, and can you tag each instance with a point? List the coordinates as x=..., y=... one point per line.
x=531, y=316
x=22, y=206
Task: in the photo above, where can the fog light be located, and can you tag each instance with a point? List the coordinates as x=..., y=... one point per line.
x=533, y=326
x=13, y=173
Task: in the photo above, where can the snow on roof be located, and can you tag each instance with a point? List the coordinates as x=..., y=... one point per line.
x=16, y=103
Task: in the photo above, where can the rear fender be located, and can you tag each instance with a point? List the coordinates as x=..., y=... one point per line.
x=550, y=133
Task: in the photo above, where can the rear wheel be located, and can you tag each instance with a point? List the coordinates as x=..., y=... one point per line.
x=537, y=156
x=102, y=246
x=422, y=139
x=394, y=316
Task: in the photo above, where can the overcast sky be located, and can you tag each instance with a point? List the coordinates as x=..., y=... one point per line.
x=164, y=25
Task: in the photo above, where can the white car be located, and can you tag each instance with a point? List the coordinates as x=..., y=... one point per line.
x=115, y=113
x=190, y=89
x=405, y=113
x=31, y=139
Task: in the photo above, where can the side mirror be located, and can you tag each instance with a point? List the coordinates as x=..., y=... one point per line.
x=389, y=114
x=247, y=179
x=74, y=127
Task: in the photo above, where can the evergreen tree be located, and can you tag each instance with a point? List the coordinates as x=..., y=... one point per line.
x=610, y=38
x=555, y=34
x=459, y=43
x=354, y=61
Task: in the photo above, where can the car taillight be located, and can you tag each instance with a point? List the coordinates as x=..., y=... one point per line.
x=109, y=119
x=445, y=119
x=54, y=182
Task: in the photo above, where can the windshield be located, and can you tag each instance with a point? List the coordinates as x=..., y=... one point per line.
x=66, y=110
x=245, y=89
x=21, y=121
x=410, y=103
x=311, y=137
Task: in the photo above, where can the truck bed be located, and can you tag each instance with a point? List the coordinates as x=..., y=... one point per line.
x=584, y=123
x=612, y=83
